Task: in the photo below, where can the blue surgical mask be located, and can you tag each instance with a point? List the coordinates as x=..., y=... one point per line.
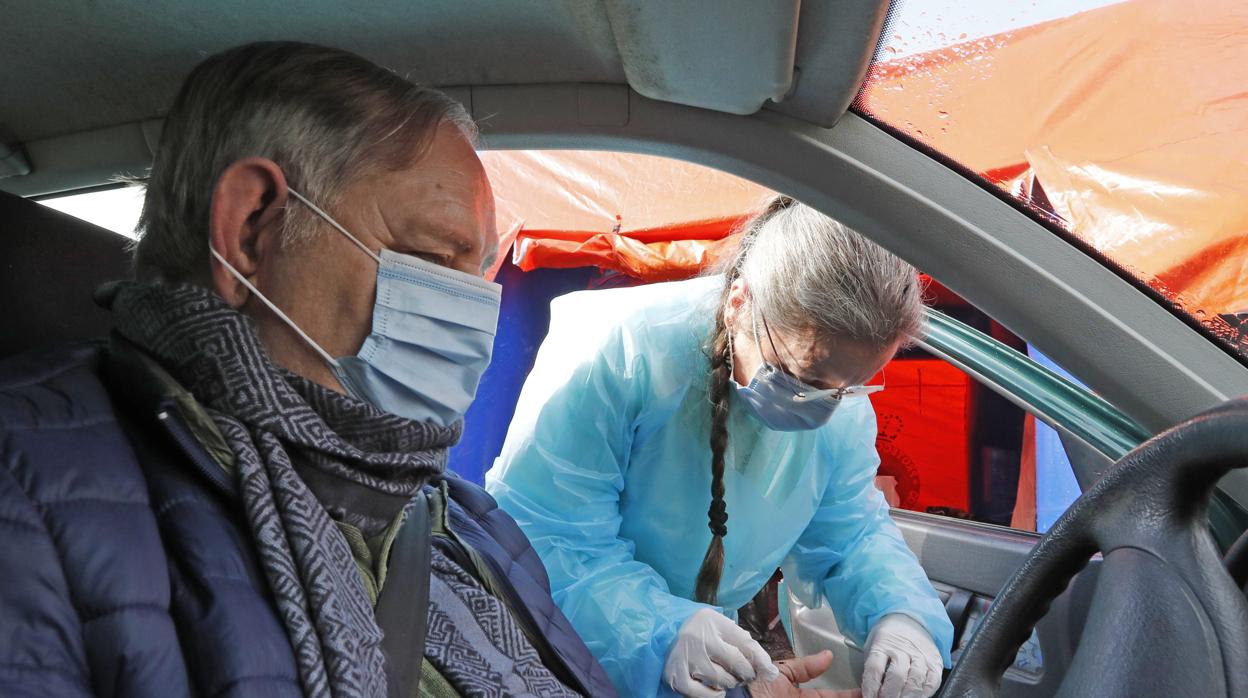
x=775, y=398
x=432, y=336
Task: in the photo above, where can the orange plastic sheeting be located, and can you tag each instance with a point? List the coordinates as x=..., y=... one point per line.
x=1132, y=117
x=1024, y=517
x=680, y=257
x=606, y=202
x=922, y=438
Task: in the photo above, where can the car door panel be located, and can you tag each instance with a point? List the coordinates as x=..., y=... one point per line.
x=968, y=563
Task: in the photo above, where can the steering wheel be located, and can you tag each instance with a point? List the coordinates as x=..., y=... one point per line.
x=1166, y=619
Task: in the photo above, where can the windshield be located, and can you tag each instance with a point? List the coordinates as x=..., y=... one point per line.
x=1126, y=123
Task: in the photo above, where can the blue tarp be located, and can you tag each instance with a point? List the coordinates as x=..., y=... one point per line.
x=1056, y=487
x=523, y=321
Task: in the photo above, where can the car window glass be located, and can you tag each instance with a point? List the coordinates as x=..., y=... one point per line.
x=1118, y=123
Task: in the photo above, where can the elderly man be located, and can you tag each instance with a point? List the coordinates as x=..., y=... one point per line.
x=207, y=502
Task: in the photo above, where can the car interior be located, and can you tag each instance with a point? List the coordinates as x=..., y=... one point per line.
x=1129, y=592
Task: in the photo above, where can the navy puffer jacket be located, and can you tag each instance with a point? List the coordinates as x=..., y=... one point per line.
x=126, y=566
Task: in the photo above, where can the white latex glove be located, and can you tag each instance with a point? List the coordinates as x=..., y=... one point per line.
x=902, y=661
x=712, y=654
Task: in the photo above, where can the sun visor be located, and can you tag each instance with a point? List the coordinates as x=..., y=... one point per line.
x=835, y=44
x=730, y=56
x=78, y=160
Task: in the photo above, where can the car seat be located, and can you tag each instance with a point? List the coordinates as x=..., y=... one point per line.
x=50, y=262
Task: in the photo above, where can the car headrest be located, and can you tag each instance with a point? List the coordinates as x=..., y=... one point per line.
x=50, y=262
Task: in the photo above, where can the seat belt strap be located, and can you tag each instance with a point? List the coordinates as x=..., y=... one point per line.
x=403, y=605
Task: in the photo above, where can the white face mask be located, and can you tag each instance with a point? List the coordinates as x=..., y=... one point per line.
x=432, y=335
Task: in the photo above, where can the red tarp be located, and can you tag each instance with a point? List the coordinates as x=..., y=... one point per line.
x=923, y=436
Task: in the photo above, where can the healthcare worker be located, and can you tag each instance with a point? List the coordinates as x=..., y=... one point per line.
x=744, y=391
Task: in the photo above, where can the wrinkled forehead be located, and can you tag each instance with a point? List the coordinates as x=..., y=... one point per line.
x=441, y=189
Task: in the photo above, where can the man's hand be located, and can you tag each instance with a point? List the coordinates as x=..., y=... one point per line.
x=797, y=671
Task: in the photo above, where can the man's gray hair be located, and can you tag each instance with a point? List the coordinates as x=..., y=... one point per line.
x=325, y=116
x=809, y=272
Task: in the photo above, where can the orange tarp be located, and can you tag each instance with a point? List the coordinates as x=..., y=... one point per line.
x=1024, y=516
x=1132, y=117
x=568, y=208
x=686, y=250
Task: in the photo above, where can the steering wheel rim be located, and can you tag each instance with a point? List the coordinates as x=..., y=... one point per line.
x=1147, y=515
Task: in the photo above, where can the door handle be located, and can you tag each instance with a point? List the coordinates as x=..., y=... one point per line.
x=959, y=609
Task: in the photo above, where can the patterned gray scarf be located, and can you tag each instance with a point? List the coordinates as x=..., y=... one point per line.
x=277, y=424
x=304, y=455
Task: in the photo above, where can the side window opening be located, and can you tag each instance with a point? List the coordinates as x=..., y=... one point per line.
x=579, y=220
x=951, y=446
x=948, y=444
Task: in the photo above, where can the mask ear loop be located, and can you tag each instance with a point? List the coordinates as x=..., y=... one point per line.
x=770, y=340
x=326, y=217
x=291, y=323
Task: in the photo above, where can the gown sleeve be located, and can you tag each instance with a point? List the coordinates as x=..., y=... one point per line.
x=852, y=554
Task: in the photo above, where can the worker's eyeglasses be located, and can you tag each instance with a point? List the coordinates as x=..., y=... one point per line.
x=838, y=393
x=828, y=394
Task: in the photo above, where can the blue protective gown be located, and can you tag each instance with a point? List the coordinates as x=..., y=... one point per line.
x=606, y=468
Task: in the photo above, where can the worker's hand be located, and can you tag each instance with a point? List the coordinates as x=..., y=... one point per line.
x=798, y=671
x=712, y=654
x=902, y=661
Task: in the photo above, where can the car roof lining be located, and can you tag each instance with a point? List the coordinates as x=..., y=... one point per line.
x=78, y=67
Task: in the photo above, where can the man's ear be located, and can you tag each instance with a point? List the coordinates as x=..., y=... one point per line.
x=244, y=219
